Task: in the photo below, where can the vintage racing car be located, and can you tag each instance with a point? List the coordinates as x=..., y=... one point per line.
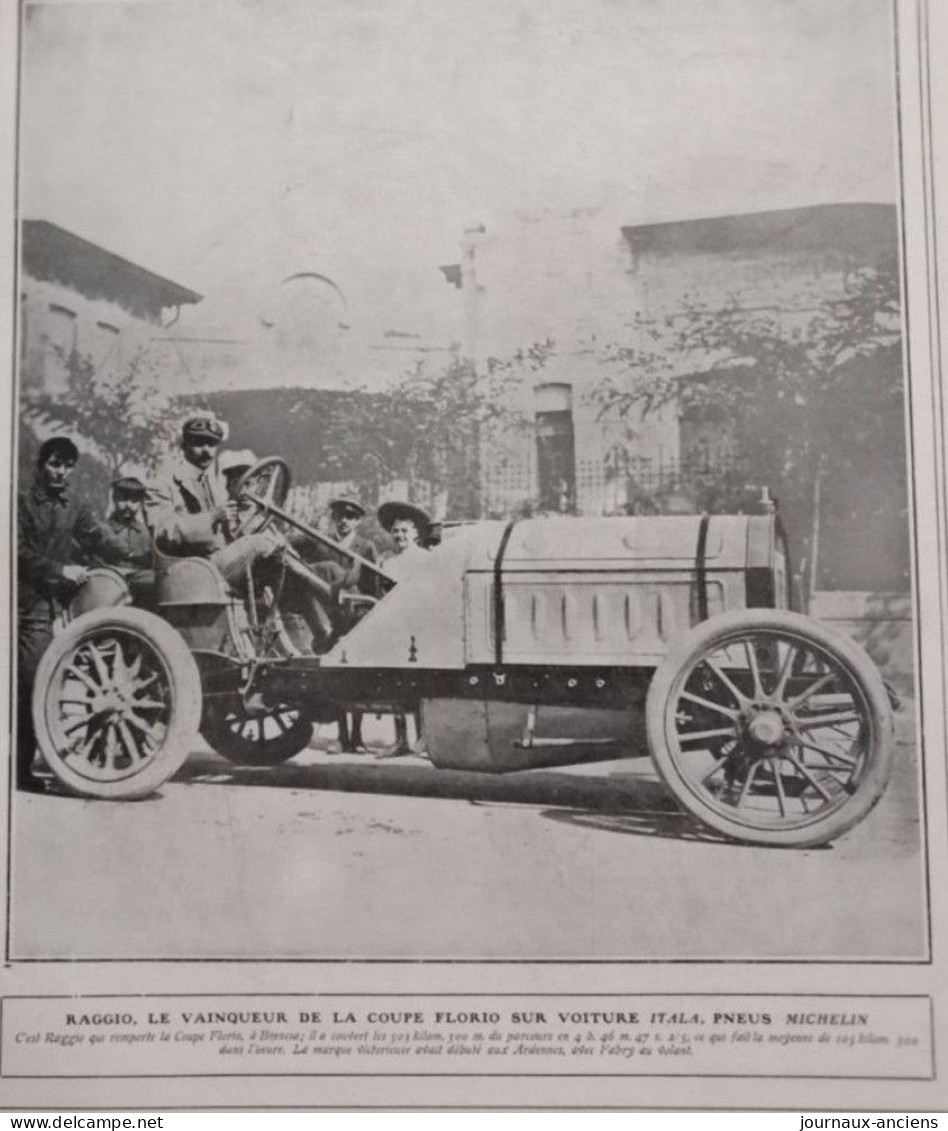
x=521, y=643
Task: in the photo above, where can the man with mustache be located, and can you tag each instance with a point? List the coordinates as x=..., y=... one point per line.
x=191, y=513
x=127, y=521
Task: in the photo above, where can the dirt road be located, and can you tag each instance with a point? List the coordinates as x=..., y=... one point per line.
x=339, y=857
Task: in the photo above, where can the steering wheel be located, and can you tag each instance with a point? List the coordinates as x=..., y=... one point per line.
x=259, y=489
x=268, y=481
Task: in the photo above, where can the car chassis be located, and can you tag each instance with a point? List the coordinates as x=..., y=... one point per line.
x=766, y=726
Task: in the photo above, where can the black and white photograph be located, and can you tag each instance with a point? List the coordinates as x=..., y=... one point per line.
x=463, y=481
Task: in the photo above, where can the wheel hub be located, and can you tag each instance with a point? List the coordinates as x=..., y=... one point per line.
x=766, y=727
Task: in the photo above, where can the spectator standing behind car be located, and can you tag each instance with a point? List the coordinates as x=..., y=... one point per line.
x=345, y=514
x=409, y=527
x=52, y=525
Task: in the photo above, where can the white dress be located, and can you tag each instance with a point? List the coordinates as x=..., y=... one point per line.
x=399, y=566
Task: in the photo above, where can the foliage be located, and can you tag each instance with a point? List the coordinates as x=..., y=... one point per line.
x=785, y=384
x=808, y=397
x=444, y=417
x=123, y=414
x=427, y=429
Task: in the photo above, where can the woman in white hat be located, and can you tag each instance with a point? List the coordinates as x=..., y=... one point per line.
x=408, y=527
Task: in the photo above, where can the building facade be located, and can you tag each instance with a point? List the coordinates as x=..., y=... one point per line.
x=76, y=296
x=560, y=293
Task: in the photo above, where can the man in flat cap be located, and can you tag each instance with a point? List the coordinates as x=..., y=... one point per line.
x=52, y=524
x=234, y=465
x=345, y=513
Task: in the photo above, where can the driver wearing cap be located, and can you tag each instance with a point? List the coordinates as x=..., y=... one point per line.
x=190, y=512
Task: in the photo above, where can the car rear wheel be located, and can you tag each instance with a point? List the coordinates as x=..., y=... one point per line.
x=116, y=703
x=262, y=738
x=771, y=728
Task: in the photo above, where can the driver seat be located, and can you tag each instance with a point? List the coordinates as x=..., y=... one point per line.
x=194, y=598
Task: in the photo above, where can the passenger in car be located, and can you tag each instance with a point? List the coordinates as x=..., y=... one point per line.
x=233, y=464
x=127, y=520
